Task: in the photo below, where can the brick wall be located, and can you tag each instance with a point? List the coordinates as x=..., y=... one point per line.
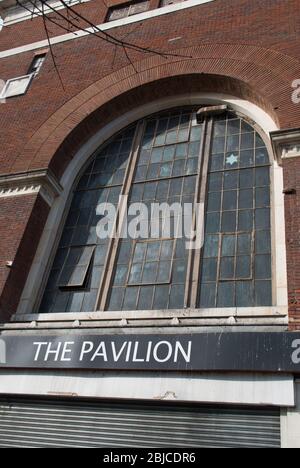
x=22, y=219
x=248, y=48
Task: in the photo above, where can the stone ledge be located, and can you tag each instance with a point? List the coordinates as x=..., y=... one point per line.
x=286, y=144
x=25, y=183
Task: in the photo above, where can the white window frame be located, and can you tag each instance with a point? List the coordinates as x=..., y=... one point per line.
x=34, y=288
x=5, y=94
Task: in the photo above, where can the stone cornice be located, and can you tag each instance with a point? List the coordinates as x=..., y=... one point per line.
x=43, y=182
x=286, y=144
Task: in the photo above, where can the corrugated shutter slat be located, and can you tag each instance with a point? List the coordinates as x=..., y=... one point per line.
x=49, y=423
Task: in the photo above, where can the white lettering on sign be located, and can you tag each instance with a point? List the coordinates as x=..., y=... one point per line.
x=86, y=348
x=39, y=346
x=66, y=350
x=296, y=354
x=168, y=354
x=117, y=355
x=110, y=351
x=100, y=352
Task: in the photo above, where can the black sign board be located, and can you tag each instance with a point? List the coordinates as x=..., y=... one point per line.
x=257, y=352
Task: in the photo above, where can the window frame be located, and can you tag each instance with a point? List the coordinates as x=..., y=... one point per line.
x=126, y=6
x=265, y=310
x=27, y=78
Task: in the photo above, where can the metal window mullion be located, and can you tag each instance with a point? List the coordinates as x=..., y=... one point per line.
x=114, y=242
x=193, y=270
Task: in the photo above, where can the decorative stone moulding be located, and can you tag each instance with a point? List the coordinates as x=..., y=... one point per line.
x=286, y=144
x=42, y=182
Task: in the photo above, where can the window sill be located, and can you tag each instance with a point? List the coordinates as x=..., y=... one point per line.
x=222, y=313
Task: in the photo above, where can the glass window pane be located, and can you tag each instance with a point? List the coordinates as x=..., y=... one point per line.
x=145, y=298
x=263, y=293
x=262, y=197
x=217, y=162
x=167, y=250
x=244, y=294
x=177, y=296
x=164, y=271
x=179, y=271
x=116, y=299
x=245, y=221
x=211, y=246
x=226, y=295
x=261, y=156
x=233, y=143
x=220, y=128
x=231, y=180
x=178, y=168
x=180, y=251
x=230, y=200
x=228, y=246
x=196, y=133
x=218, y=145
x=130, y=299
x=243, y=267
x=166, y=170
x=229, y=221
x=263, y=267
x=214, y=201
x=233, y=126
x=247, y=158
x=244, y=244
x=208, y=295
x=153, y=249
x=135, y=273
x=150, y=273
x=263, y=242
x=157, y=155
x=192, y=166
x=194, y=149
x=121, y=275
x=125, y=252
x=227, y=268
x=161, y=297
x=247, y=140
x=209, y=269
x=171, y=137
x=246, y=178
x=212, y=224
x=262, y=218
x=169, y=153
x=153, y=171
x=262, y=176
x=215, y=182
x=246, y=199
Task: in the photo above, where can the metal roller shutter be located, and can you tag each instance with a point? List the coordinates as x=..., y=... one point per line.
x=49, y=423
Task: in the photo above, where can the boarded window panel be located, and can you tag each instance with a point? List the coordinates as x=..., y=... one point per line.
x=118, y=13
x=76, y=267
x=164, y=3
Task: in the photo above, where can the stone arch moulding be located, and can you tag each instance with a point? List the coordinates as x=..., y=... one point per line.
x=261, y=76
x=34, y=286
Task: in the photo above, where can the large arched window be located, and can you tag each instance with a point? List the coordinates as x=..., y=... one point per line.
x=212, y=158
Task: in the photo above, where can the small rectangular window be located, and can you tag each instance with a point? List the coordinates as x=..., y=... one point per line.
x=164, y=3
x=37, y=64
x=16, y=86
x=128, y=9
x=76, y=267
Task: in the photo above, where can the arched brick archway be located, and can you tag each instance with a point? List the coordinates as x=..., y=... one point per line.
x=259, y=75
